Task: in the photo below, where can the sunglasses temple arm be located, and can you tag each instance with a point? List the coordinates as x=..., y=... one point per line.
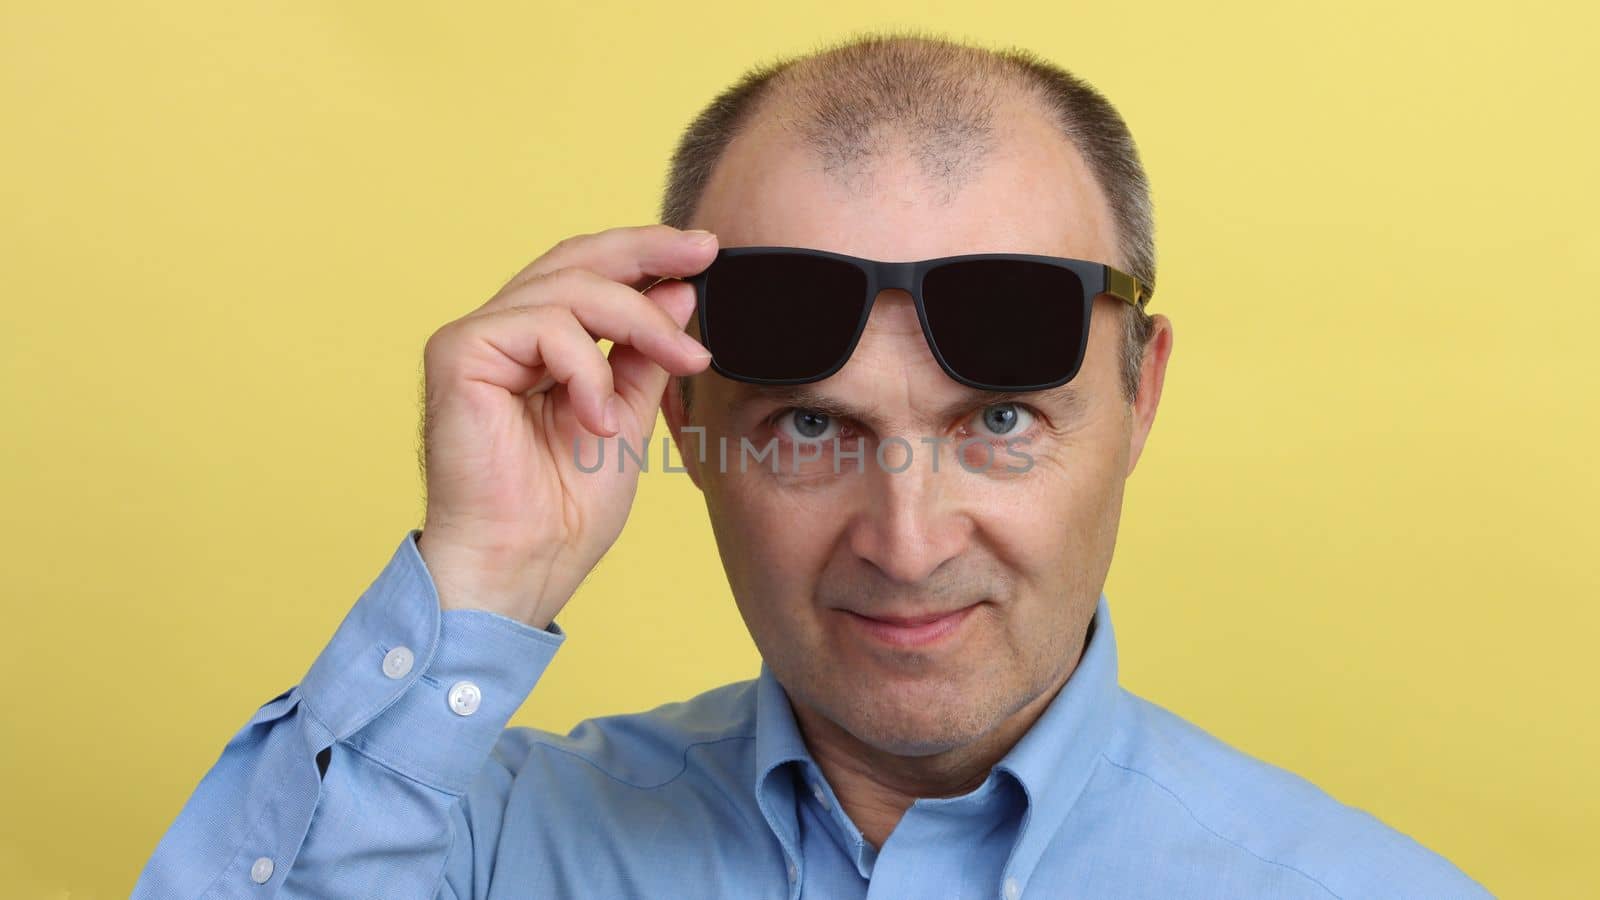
x=1127, y=288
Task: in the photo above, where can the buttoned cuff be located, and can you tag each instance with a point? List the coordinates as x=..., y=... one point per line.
x=424, y=691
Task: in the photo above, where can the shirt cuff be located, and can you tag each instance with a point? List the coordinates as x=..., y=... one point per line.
x=424, y=691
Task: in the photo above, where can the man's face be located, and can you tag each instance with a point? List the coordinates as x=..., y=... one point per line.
x=809, y=553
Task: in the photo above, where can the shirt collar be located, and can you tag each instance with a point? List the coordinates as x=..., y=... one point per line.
x=778, y=743
x=1052, y=761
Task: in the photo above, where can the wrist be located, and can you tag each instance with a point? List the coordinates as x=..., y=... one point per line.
x=464, y=578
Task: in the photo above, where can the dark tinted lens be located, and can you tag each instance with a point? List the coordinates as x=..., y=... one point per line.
x=1006, y=323
x=781, y=316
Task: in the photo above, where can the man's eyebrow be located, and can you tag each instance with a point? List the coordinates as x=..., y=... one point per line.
x=1065, y=399
x=797, y=395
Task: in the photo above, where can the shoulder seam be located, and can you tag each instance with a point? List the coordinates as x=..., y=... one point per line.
x=1218, y=835
x=684, y=767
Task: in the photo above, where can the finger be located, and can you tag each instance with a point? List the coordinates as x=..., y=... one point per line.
x=639, y=379
x=632, y=255
x=617, y=313
x=676, y=299
x=533, y=348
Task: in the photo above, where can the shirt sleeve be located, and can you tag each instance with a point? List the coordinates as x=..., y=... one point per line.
x=349, y=783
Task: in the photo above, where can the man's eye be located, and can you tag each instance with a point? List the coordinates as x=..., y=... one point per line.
x=807, y=425
x=1002, y=420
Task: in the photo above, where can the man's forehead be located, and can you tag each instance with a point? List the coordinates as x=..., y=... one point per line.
x=1030, y=192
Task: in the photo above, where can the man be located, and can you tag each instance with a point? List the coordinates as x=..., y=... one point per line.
x=918, y=547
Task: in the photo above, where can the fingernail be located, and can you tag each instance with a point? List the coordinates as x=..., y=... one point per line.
x=700, y=236
x=613, y=414
x=695, y=348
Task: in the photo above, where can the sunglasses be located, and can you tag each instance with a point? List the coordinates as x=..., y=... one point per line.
x=995, y=321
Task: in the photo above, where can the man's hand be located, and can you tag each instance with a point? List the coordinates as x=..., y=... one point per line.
x=513, y=525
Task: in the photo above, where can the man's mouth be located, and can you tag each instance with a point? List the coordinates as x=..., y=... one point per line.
x=921, y=630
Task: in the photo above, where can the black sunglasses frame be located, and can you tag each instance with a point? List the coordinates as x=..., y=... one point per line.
x=1096, y=278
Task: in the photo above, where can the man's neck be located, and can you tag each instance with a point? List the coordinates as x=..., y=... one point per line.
x=875, y=787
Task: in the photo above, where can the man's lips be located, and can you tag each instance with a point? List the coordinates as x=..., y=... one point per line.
x=910, y=630
x=905, y=621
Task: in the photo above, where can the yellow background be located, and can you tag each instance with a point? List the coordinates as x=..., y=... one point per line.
x=1361, y=544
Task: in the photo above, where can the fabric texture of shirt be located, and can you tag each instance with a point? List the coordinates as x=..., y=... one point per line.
x=390, y=772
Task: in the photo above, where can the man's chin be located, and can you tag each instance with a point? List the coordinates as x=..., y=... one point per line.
x=908, y=722
x=917, y=739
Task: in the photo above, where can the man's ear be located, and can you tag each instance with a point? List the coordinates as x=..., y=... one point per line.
x=1152, y=374
x=691, y=444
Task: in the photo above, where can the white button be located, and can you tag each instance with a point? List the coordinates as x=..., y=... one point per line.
x=397, y=662
x=820, y=794
x=261, y=870
x=793, y=872
x=1012, y=889
x=464, y=698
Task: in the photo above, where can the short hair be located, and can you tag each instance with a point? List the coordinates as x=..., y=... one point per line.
x=937, y=97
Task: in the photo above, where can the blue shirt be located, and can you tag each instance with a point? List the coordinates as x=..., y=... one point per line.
x=389, y=772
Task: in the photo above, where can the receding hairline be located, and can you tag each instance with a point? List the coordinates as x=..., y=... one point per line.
x=855, y=90
x=851, y=106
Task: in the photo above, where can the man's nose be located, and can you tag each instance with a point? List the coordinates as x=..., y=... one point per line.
x=909, y=523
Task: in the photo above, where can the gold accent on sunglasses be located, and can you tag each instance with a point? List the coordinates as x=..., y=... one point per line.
x=1127, y=288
